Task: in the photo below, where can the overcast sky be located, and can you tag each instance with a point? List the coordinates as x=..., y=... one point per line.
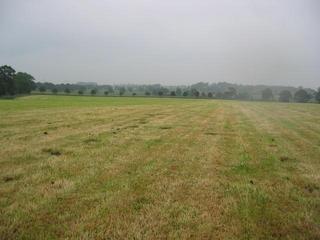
x=273, y=42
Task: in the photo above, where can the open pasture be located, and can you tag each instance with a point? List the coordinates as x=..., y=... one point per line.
x=152, y=168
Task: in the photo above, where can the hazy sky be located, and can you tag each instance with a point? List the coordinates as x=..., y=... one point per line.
x=163, y=41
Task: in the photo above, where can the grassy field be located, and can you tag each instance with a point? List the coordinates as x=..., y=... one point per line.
x=148, y=168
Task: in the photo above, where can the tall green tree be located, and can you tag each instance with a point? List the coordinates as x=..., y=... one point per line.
x=24, y=82
x=7, y=84
x=2, y=87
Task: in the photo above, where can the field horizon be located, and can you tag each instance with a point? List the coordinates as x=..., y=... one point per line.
x=81, y=167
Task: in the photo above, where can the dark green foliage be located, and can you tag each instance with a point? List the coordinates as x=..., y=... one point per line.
x=172, y=93
x=24, y=82
x=134, y=94
x=147, y=93
x=185, y=94
x=285, y=96
x=80, y=92
x=93, y=92
x=317, y=96
x=2, y=87
x=195, y=92
x=7, y=84
x=106, y=93
x=54, y=91
x=210, y=95
x=67, y=91
x=42, y=89
x=301, y=96
x=267, y=94
x=12, y=83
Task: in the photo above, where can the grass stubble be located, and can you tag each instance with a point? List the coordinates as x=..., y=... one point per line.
x=132, y=168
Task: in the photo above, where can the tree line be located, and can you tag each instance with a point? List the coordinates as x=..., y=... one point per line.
x=12, y=83
x=266, y=94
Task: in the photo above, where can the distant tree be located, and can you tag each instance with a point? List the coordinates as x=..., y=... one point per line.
x=195, y=92
x=210, y=95
x=42, y=89
x=122, y=90
x=147, y=93
x=80, y=92
x=219, y=95
x=200, y=86
x=93, y=92
x=203, y=94
x=54, y=91
x=267, y=94
x=172, y=93
x=106, y=93
x=129, y=88
x=165, y=91
x=7, y=83
x=109, y=89
x=301, y=96
x=160, y=93
x=244, y=96
x=67, y=91
x=134, y=94
x=231, y=93
x=185, y=94
x=285, y=96
x=178, y=91
x=317, y=96
x=24, y=82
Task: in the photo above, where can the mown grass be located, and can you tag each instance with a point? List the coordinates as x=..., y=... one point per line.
x=140, y=168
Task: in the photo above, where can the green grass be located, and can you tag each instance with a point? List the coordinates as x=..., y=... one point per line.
x=150, y=168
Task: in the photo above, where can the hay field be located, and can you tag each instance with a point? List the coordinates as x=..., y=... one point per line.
x=151, y=168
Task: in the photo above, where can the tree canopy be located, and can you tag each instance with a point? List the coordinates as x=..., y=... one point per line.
x=301, y=96
x=317, y=95
x=7, y=84
x=267, y=94
x=15, y=83
x=285, y=96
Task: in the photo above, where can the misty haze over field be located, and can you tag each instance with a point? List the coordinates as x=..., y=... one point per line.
x=172, y=42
